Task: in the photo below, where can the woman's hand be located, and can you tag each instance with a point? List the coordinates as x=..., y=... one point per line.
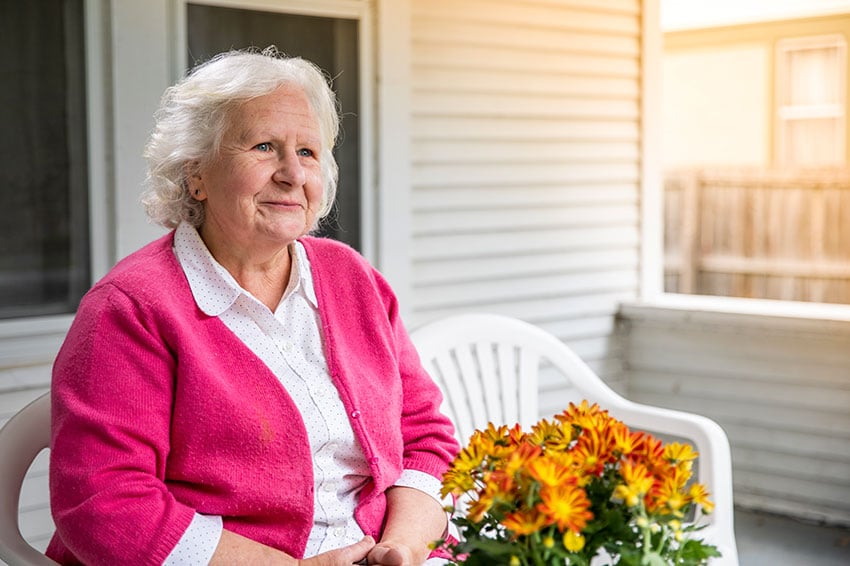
x=390, y=554
x=414, y=520
x=234, y=549
x=345, y=556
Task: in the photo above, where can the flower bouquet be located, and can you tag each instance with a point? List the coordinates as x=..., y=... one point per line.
x=573, y=489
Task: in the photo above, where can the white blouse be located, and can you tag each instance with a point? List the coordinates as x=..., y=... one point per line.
x=289, y=342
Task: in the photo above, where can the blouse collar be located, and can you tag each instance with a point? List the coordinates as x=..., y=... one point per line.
x=214, y=288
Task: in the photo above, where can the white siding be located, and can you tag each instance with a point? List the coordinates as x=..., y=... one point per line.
x=526, y=166
x=780, y=387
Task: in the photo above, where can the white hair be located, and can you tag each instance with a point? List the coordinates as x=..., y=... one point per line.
x=193, y=115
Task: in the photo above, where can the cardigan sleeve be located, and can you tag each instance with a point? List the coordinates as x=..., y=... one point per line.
x=112, y=394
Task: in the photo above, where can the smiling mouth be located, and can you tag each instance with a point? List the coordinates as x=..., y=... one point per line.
x=282, y=204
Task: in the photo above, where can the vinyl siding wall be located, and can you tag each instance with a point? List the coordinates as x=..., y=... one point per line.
x=779, y=386
x=526, y=166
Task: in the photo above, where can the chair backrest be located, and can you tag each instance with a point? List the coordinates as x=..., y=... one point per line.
x=487, y=367
x=22, y=438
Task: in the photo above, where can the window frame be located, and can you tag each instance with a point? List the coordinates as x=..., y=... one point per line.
x=358, y=10
x=32, y=341
x=651, y=291
x=785, y=114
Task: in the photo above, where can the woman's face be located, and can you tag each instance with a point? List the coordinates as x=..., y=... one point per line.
x=264, y=188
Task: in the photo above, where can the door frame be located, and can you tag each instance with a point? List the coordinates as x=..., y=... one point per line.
x=362, y=12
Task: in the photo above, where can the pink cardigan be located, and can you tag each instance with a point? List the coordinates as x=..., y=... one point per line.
x=160, y=411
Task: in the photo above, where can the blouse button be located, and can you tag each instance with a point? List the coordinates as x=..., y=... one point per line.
x=355, y=414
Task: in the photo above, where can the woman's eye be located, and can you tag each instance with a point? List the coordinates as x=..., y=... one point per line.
x=304, y=152
x=265, y=146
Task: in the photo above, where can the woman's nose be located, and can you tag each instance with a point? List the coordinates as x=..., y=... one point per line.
x=290, y=171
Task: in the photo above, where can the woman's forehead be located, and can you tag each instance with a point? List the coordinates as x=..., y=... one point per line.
x=287, y=108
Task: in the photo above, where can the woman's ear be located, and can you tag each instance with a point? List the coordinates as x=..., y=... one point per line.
x=194, y=182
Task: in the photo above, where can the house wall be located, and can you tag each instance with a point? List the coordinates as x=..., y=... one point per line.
x=777, y=384
x=709, y=92
x=718, y=91
x=525, y=156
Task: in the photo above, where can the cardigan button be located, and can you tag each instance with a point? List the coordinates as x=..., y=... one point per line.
x=355, y=414
x=374, y=460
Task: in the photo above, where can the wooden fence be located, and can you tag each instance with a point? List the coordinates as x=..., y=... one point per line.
x=758, y=234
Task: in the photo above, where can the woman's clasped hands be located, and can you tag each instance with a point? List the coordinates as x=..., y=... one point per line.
x=365, y=551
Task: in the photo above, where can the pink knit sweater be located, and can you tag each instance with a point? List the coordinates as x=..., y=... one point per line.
x=160, y=411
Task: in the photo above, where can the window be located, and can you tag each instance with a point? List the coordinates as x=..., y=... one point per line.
x=44, y=227
x=811, y=100
x=756, y=193
x=330, y=43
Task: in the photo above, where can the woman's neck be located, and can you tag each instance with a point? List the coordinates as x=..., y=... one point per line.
x=263, y=273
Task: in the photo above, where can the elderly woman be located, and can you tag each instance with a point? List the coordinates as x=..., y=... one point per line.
x=238, y=392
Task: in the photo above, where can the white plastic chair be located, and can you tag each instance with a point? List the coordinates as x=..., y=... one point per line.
x=488, y=365
x=21, y=439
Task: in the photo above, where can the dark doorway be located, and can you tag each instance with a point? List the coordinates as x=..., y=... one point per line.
x=330, y=43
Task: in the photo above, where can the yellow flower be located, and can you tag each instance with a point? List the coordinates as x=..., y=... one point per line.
x=521, y=457
x=524, y=522
x=636, y=474
x=668, y=494
x=479, y=507
x=549, y=472
x=592, y=452
x=652, y=451
x=458, y=479
x=681, y=455
x=584, y=415
x=624, y=441
x=456, y=483
x=573, y=541
x=699, y=495
x=566, y=505
x=491, y=433
x=676, y=452
x=547, y=433
x=515, y=561
x=637, y=482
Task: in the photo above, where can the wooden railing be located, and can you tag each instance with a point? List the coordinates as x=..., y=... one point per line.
x=759, y=234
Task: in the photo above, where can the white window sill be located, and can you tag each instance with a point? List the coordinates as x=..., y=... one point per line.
x=27, y=349
x=760, y=312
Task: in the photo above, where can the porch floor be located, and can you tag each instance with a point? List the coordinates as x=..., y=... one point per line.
x=773, y=540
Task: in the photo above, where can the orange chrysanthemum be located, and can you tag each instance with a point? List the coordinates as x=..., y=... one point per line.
x=524, y=522
x=565, y=505
x=550, y=472
x=533, y=484
x=637, y=482
x=592, y=452
x=699, y=495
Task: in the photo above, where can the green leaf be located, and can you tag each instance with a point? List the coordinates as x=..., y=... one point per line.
x=694, y=552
